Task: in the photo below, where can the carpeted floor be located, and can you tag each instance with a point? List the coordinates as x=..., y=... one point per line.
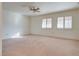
x=39, y=46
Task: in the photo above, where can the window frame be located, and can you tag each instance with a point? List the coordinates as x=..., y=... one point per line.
x=47, y=23
x=64, y=22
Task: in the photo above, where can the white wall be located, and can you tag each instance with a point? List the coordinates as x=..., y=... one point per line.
x=15, y=22
x=70, y=34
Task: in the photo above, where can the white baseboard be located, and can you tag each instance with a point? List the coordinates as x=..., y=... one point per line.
x=54, y=37
x=45, y=36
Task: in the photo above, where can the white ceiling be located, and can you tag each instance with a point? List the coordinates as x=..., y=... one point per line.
x=45, y=7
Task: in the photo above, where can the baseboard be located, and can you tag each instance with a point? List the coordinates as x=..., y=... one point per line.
x=25, y=34
x=54, y=37
x=46, y=36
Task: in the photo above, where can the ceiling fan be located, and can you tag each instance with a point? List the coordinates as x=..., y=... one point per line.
x=35, y=9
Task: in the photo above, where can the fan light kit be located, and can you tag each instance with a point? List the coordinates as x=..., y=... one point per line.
x=35, y=9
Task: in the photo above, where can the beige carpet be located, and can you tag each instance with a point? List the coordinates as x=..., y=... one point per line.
x=40, y=46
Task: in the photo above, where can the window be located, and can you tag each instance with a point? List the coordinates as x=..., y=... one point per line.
x=60, y=22
x=47, y=23
x=64, y=22
x=44, y=23
x=68, y=22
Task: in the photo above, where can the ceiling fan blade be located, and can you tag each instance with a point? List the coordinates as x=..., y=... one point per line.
x=38, y=8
